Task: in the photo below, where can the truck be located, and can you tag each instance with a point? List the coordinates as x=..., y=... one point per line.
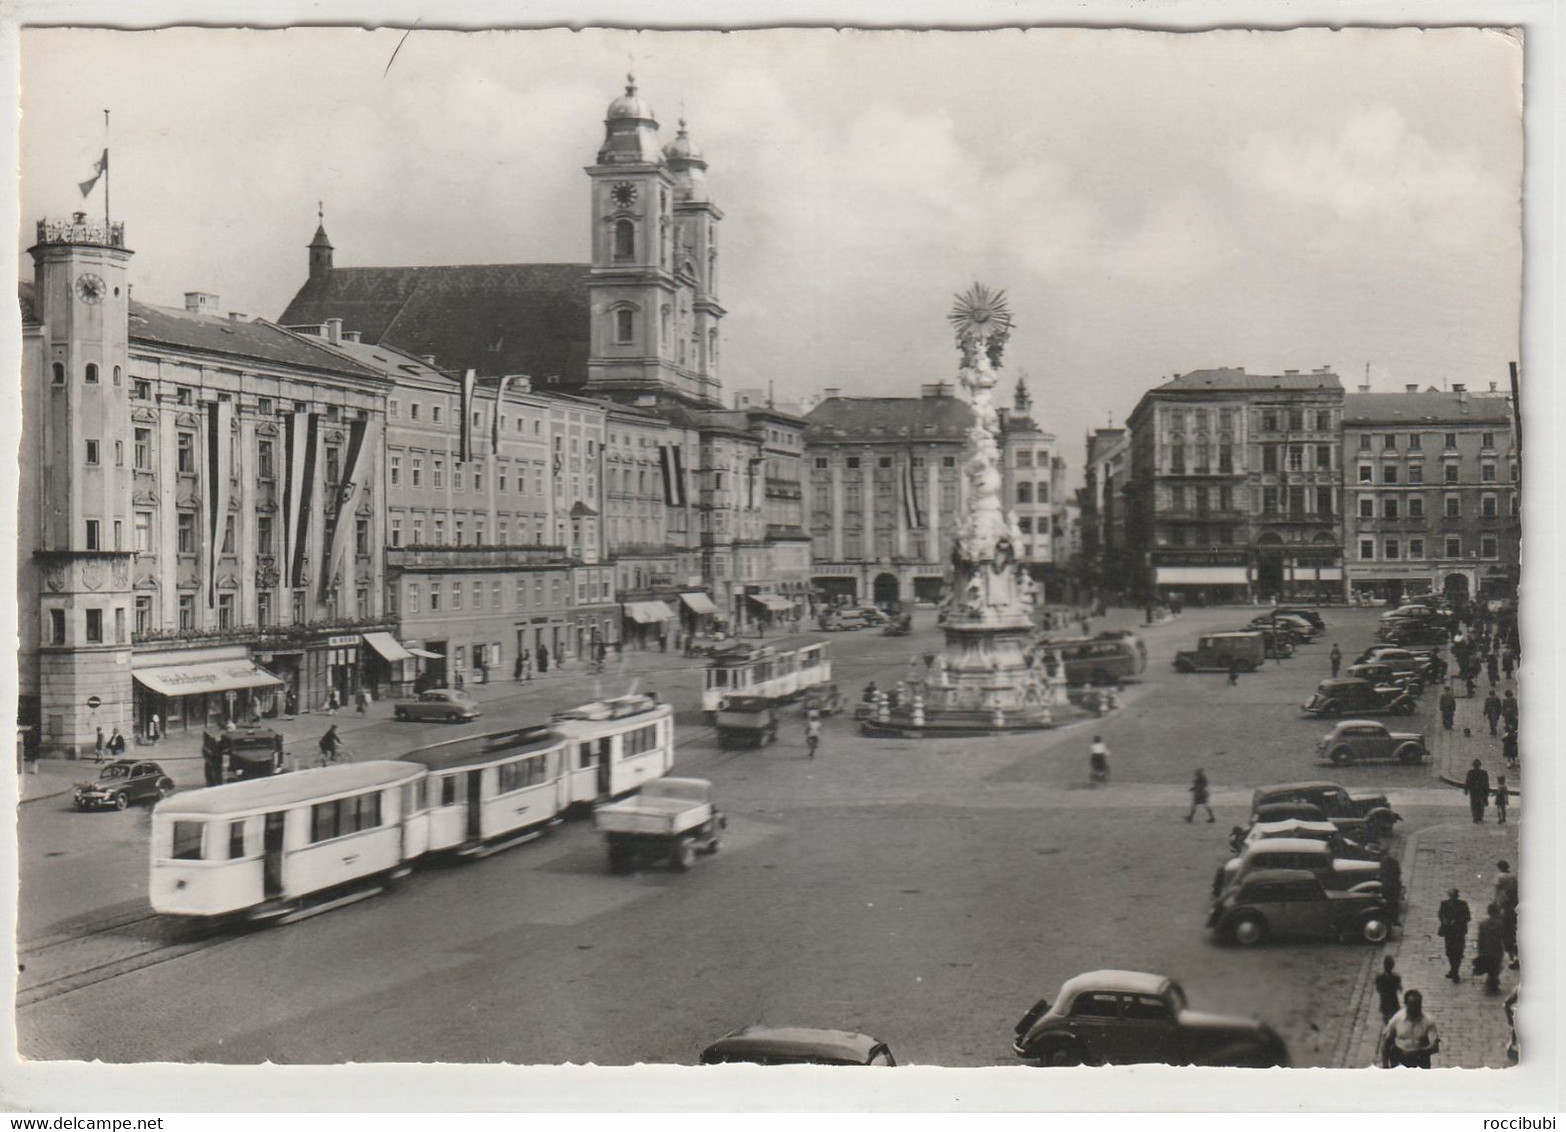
x=668, y=820
x=747, y=721
x=241, y=753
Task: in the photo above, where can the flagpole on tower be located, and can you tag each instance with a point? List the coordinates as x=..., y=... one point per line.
x=106, y=175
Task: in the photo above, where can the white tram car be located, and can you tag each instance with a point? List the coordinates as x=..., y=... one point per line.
x=784, y=670
x=263, y=845
x=283, y=846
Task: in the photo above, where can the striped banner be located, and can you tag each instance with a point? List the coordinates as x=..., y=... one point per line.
x=469, y=380
x=347, y=494
x=678, y=459
x=220, y=467
x=301, y=438
x=666, y=467
x=913, y=513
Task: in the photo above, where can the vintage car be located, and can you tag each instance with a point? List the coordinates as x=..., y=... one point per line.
x=1316, y=829
x=1411, y=609
x=448, y=704
x=1216, y=651
x=1425, y=660
x=899, y=626
x=1413, y=632
x=1366, y=741
x=747, y=721
x=1315, y=857
x=1353, y=814
x=843, y=621
x=122, y=782
x=825, y=699
x=240, y=754
x=796, y=1045
x=1292, y=903
x=1305, y=613
x=1297, y=625
x=1128, y=1018
x=1280, y=642
x=1384, y=676
x=1349, y=696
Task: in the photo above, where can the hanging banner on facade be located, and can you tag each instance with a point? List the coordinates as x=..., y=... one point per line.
x=347, y=497
x=301, y=436
x=673, y=475
x=469, y=381
x=913, y=513
x=220, y=466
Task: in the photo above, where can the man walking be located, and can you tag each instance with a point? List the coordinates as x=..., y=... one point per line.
x=1448, y=705
x=1410, y=1038
x=1492, y=710
x=1336, y=657
x=1389, y=986
x=1509, y=710
x=1199, y=796
x=1490, y=947
x=97, y=747
x=1506, y=897
x=1234, y=671
x=1477, y=786
x=1453, y=930
x=1509, y=747
x=1492, y=664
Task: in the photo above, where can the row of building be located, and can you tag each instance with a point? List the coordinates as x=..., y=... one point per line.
x=419, y=474
x=1225, y=485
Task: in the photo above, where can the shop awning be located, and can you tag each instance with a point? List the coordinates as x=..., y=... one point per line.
x=648, y=612
x=198, y=679
x=699, y=603
x=775, y=602
x=1201, y=576
x=426, y=654
x=387, y=646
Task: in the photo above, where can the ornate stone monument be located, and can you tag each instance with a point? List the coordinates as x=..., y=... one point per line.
x=988, y=677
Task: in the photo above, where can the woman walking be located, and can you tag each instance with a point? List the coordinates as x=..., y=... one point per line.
x=1199, y=796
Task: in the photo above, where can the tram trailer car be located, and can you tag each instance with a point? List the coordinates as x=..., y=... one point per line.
x=487, y=792
x=264, y=846
x=614, y=747
x=783, y=670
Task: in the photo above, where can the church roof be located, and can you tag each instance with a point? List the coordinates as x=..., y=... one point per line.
x=871, y=419
x=501, y=318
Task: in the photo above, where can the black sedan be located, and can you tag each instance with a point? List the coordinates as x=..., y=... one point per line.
x=121, y=783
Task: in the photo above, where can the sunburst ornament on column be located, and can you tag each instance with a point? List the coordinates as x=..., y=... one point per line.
x=982, y=320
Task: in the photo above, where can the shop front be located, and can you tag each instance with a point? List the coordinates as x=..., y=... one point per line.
x=771, y=610
x=1209, y=579
x=390, y=668
x=189, y=689
x=647, y=622
x=697, y=611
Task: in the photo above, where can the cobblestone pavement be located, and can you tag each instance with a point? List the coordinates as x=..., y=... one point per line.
x=1474, y=1031
x=1454, y=751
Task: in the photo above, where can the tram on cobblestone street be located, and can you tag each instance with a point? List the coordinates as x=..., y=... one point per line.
x=614, y=747
x=488, y=792
x=781, y=670
x=267, y=846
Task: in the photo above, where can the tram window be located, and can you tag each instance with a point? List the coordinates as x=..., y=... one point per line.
x=236, y=840
x=344, y=816
x=323, y=821
x=448, y=790
x=187, y=841
x=720, y=677
x=584, y=756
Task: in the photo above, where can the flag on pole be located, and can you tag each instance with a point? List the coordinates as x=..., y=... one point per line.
x=347, y=496
x=98, y=170
x=494, y=425
x=301, y=432
x=913, y=513
x=219, y=468
x=469, y=379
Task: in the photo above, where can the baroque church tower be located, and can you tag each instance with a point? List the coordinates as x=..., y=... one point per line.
x=653, y=282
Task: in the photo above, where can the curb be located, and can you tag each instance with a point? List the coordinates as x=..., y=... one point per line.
x=1510, y=793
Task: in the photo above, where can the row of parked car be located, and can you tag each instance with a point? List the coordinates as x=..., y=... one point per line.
x=1269, y=636
x=1384, y=680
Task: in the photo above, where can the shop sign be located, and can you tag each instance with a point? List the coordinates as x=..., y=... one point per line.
x=339, y=642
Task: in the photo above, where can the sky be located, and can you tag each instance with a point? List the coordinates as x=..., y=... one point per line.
x=1152, y=203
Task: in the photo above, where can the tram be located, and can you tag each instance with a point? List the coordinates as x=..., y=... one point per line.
x=484, y=793
x=264, y=845
x=783, y=670
x=615, y=746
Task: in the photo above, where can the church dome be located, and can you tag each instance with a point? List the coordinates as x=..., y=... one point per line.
x=682, y=148
x=630, y=104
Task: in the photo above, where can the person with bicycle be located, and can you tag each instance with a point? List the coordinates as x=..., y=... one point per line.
x=331, y=745
x=812, y=733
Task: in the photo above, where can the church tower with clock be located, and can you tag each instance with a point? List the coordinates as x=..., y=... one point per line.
x=76, y=468
x=652, y=287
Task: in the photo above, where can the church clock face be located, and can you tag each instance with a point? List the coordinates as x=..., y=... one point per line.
x=623, y=194
x=90, y=288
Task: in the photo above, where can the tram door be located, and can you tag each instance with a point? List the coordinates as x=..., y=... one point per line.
x=475, y=806
x=604, y=745
x=272, y=855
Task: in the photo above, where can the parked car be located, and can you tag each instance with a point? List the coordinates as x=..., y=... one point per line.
x=899, y=626
x=1411, y=609
x=121, y=783
x=1384, y=676
x=1314, y=856
x=438, y=703
x=1216, y=651
x=1349, y=696
x=1129, y=1018
x=1299, y=626
x=873, y=615
x=1423, y=661
x=1291, y=903
x=843, y=620
x=1306, y=613
x=1402, y=632
x=1365, y=740
x=1280, y=642
x=1316, y=829
x=1351, y=813
x=796, y=1045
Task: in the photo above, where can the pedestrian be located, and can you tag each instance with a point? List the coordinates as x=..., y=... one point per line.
x=1506, y=897
x=1490, y=948
x=1501, y=799
x=97, y=747
x=361, y=701
x=1477, y=786
x=543, y=659
x=116, y=745
x=1392, y=886
x=1389, y=985
x=663, y=642
x=516, y=669
x=329, y=745
x=1236, y=840
x=812, y=733
x=1098, y=761
x=1509, y=747
x=333, y=702
x=1492, y=710
x=1336, y=657
x=1508, y=661
x=1509, y=710
x=1492, y=664
x=1410, y=1038
x=1448, y=705
x=460, y=680
x=1234, y=671
x=1199, y=796
x=1453, y=930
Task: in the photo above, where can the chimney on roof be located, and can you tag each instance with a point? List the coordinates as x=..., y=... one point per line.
x=334, y=331
x=1322, y=369
x=236, y=316
x=935, y=389
x=1291, y=373
x=200, y=302
x=1461, y=391
x=1365, y=388
x=1493, y=388
x=1412, y=387
x=427, y=359
x=350, y=335
x=831, y=391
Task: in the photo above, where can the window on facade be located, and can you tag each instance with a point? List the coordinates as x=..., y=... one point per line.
x=624, y=326
x=1367, y=507
x=1324, y=457
x=143, y=613
x=459, y=529
x=1296, y=502
x=624, y=241
x=57, y=626
x=1269, y=457
x=1324, y=420
x=1451, y=440
x=1025, y=525
x=92, y=452
x=57, y=373
x=92, y=373
x=1487, y=440
x=1389, y=442
x=434, y=597
x=1364, y=442
x=1453, y=507
x=435, y=411
x=142, y=529
x=1226, y=457
x=1389, y=508
x=94, y=626
x=1365, y=473
x=225, y=611
x=1454, y=546
x=228, y=534
x=185, y=527
x=1296, y=457
x=297, y=603
x=186, y=451
x=1226, y=498
x=1177, y=458
x=1367, y=548
x=266, y=467
x=1024, y=493
x=1176, y=536
x=1269, y=501
x=440, y=532
x=1416, y=473
x=1269, y=422
x=1416, y=548
x=263, y=608
x=437, y=472
x=1389, y=473
x=1487, y=473
x=1487, y=509
x=1416, y=507
x=1449, y=473
x=93, y=535
x=184, y=395
x=1392, y=549
x=361, y=537
x=1324, y=501
x=396, y=530
x=334, y=464
x=850, y=462
x=1489, y=547
x=418, y=472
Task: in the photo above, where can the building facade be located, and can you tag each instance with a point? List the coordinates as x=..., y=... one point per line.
x=1235, y=486
x=1103, y=513
x=1431, y=485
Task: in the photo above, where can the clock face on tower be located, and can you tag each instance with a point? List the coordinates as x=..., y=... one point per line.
x=90, y=288
x=623, y=194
